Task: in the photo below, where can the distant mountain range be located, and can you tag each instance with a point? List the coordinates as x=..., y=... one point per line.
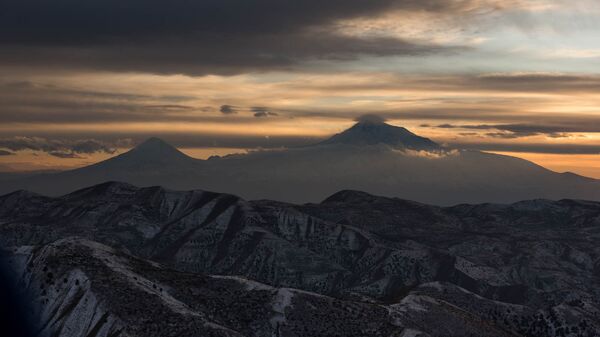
x=118, y=260
x=371, y=156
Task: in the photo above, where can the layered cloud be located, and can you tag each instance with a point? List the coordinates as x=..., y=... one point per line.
x=261, y=111
x=510, y=75
x=227, y=109
x=231, y=111
x=197, y=37
x=55, y=147
x=510, y=131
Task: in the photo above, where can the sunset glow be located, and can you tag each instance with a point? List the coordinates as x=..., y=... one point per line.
x=515, y=77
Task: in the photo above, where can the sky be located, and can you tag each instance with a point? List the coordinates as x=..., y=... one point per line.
x=81, y=81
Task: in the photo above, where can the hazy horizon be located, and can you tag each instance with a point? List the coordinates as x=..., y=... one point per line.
x=31, y=161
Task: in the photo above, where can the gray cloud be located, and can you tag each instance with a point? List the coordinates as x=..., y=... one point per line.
x=510, y=135
x=492, y=113
x=6, y=153
x=210, y=55
x=31, y=102
x=72, y=22
x=548, y=148
x=90, y=146
x=194, y=140
x=511, y=131
x=171, y=107
x=260, y=111
x=228, y=109
x=177, y=138
x=538, y=82
x=525, y=82
x=28, y=102
x=502, y=82
x=199, y=37
x=56, y=147
x=61, y=154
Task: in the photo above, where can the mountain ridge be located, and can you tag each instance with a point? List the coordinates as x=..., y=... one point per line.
x=445, y=271
x=371, y=156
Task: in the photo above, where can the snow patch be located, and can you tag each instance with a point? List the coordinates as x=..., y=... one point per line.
x=283, y=299
x=484, y=273
x=414, y=303
x=411, y=333
x=249, y=284
x=154, y=288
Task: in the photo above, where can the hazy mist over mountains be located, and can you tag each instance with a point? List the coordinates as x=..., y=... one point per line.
x=371, y=156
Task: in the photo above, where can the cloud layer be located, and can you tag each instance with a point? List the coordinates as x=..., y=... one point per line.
x=197, y=37
x=55, y=147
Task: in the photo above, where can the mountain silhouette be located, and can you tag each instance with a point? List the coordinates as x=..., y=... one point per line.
x=153, y=153
x=371, y=156
x=370, y=132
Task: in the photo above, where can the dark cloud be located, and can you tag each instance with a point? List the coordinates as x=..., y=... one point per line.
x=90, y=146
x=197, y=37
x=61, y=154
x=74, y=22
x=6, y=153
x=39, y=103
x=510, y=135
x=227, y=109
x=501, y=82
x=488, y=114
x=538, y=82
x=171, y=107
x=177, y=138
x=215, y=54
x=260, y=111
x=524, y=82
x=29, y=102
x=550, y=148
x=195, y=140
x=56, y=147
x=511, y=131
x=264, y=114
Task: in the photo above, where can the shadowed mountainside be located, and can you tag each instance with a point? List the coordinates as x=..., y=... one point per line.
x=528, y=268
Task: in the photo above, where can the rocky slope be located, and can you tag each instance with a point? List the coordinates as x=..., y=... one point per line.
x=531, y=268
x=83, y=288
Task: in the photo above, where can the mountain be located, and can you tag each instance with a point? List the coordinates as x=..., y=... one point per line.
x=371, y=132
x=371, y=156
x=89, y=289
x=150, y=163
x=153, y=153
x=119, y=260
